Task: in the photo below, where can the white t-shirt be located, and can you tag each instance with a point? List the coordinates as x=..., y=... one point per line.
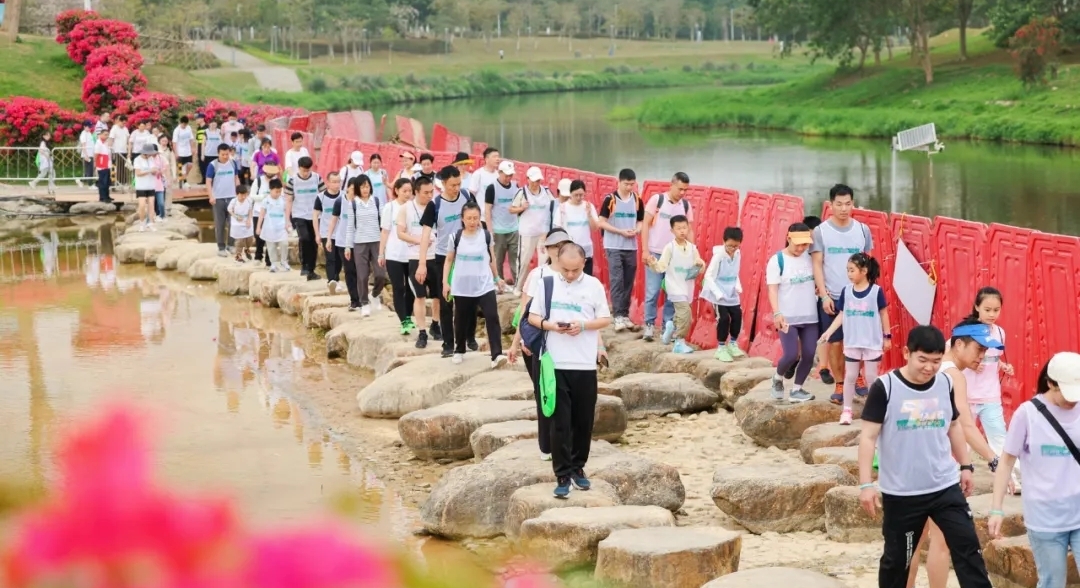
x=797, y=296
x=536, y=220
x=472, y=266
x=182, y=138
x=119, y=137
x=478, y=185
x=273, y=215
x=575, y=220
x=86, y=144
x=292, y=160
x=412, y=213
x=140, y=138
x=229, y=127
x=581, y=300
x=145, y=182
x=239, y=215
x=396, y=249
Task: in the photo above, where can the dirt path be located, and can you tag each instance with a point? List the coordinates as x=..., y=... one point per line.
x=270, y=77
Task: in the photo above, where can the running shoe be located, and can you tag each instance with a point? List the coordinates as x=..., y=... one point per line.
x=669, y=332
x=579, y=480
x=331, y=287
x=648, y=334
x=845, y=416
x=421, y=340
x=777, y=391
x=682, y=348
x=790, y=373
x=723, y=353
x=365, y=310
x=861, y=390
x=458, y=358
x=436, y=331
x=798, y=396
x=836, y=398
x=472, y=345
x=562, y=488
x=826, y=376
x=498, y=362
x=733, y=349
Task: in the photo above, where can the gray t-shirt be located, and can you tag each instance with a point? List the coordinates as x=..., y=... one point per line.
x=224, y=179
x=839, y=244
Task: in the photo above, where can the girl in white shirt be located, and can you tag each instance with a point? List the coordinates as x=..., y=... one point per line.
x=578, y=218
x=394, y=254
x=789, y=275
x=45, y=163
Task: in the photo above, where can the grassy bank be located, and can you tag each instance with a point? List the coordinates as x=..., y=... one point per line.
x=979, y=99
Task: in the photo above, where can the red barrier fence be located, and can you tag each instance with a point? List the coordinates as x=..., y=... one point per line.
x=1037, y=273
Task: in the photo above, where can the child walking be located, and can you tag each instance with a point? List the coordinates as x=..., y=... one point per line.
x=240, y=223
x=682, y=263
x=722, y=288
x=272, y=227
x=861, y=312
x=45, y=163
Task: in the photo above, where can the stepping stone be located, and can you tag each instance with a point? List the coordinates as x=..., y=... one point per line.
x=777, y=498
x=500, y=385
x=736, y=383
x=424, y=383
x=780, y=424
x=168, y=259
x=233, y=281
x=472, y=500
x=660, y=394
x=264, y=286
x=703, y=366
x=152, y=251
x=532, y=501
x=290, y=297
x=190, y=256
x=667, y=557
x=206, y=269
x=775, y=577
x=133, y=250
x=1012, y=523
x=312, y=302
x=327, y=319
x=828, y=435
x=566, y=538
x=92, y=208
x=1012, y=565
x=845, y=519
x=376, y=343
x=494, y=436
x=845, y=457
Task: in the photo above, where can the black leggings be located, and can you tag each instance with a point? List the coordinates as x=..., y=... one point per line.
x=308, y=245
x=399, y=283
x=465, y=309
x=543, y=423
x=728, y=323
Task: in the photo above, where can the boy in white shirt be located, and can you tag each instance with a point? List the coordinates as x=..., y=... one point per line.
x=721, y=288
x=86, y=150
x=292, y=156
x=681, y=263
x=139, y=137
x=119, y=143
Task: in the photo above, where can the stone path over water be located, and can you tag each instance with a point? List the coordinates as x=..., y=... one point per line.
x=270, y=77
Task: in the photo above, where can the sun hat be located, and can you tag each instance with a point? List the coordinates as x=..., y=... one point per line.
x=148, y=149
x=533, y=174
x=507, y=167
x=462, y=158
x=357, y=158
x=271, y=169
x=1064, y=368
x=557, y=236
x=980, y=333
x=564, y=186
x=801, y=238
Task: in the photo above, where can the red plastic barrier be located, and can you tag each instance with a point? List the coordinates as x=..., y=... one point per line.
x=551, y=176
x=786, y=210
x=721, y=212
x=411, y=132
x=754, y=220
x=298, y=123
x=365, y=125
x=478, y=149
x=442, y=159
x=885, y=252
x=317, y=126
x=1054, y=287
x=917, y=234
x=438, y=137
x=1008, y=253
x=959, y=247
x=341, y=125
x=328, y=156
x=281, y=122
x=606, y=184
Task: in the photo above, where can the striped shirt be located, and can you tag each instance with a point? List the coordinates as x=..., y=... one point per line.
x=361, y=221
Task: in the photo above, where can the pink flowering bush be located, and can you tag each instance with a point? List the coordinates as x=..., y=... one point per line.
x=91, y=34
x=156, y=107
x=253, y=114
x=105, y=87
x=109, y=524
x=66, y=20
x=23, y=120
x=114, y=56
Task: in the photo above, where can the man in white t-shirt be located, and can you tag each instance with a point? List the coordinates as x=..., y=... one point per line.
x=484, y=177
x=232, y=125
x=120, y=144
x=292, y=156
x=139, y=137
x=86, y=150
x=184, y=145
x=573, y=317
x=535, y=207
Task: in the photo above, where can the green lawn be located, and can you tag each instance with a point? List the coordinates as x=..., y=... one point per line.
x=39, y=67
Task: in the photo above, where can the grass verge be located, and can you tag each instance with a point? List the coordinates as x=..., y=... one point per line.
x=39, y=67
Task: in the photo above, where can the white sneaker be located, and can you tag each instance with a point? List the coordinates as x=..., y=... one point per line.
x=365, y=310
x=332, y=287
x=152, y=228
x=498, y=362
x=273, y=269
x=545, y=457
x=285, y=267
x=159, y=220
x=376, y=304
x=620, y=326
x=142, y=228
x=458, y=358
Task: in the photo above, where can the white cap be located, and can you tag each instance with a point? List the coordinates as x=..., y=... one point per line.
x=1064, y=368
x=417, y=167
x=507, y=167
x=534, y=174
x=357, y=158
x=564, y=186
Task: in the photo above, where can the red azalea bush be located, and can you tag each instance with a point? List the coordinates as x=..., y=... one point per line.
x=105, y=87
x=253, y=114
x=23, y=120
x=114, y=56
x=66, y=20
x=157, y=107
x=91, y=34
x=1035, y=47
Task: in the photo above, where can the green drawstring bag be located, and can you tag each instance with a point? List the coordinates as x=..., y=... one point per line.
x=875, y=461
x=547, y=384
x=517, y=318
x=450, y=280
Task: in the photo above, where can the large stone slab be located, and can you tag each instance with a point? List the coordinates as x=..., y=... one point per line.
x=566, y=538
x=472, y=500
x=494, y=436
x=667, y=557
x=532, y=501
x=190, y=256
x=445, y=431
x=316, y=301
x=496, y=386
x=234, y=281
x=167, y=260
x=845, y=457
x=775, y=578
x=92, y=208
x=736, y=383
x=264, y=286
x=206, y=269
x=376, y=343
x=776, y=497
x=137, y=250
x=703, y=366
x=328, y=319
x=660, y=394
x=1012, y=565
x=780, y=424
x=184, y=226
x=290, y=297
x=424, y=383
x=828, y=435
x=845, y=519
x=152, y=251
x=1012, y=523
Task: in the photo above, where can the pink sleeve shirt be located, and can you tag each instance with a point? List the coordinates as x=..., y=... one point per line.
x=660, y=230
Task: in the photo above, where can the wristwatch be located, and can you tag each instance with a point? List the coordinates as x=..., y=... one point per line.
x=969, y=467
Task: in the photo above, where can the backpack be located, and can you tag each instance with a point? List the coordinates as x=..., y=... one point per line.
x=533, y=337
x=662, y=198
x=780, y=260
x=378, y=212
x=611, y=202
x=551, y=205
x=468, y=198
x=457, y=238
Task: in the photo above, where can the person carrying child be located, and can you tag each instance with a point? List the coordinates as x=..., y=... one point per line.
x=681, y=263
x=722, y=288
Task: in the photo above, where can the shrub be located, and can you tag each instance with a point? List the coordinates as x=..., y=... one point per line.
x=23, y=120
x=114, y=56
x=92, y=34
x=105, y=87
x=156, y=107
x=1034, y=47
x=318, y=85
x=66, y=21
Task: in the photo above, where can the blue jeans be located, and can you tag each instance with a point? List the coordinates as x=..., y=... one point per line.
x=1051, y=551
x=992, y=418
x=159, y=201
x=652, y=293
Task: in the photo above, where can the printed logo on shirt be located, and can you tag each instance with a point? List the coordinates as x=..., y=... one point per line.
x=922, y=414
x=470, y=258
x=555, y=304
x=625, y=215
x=306, y=190
x=451, y=218
x=843, y=250
x=577, y=223
x=801, y=279
x=1054, y=451
x=859, y=308
x=726, y=279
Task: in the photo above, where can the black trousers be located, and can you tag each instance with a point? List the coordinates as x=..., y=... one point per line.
x=904, y=518
x=465, y=313
x=728, y=322
x=333, y=262
x=104, y=182
x=349, y=266
x=259, y=244
x=399, y=283
x=588, y=266
x=446, y=309
x=572, y=421
x=543, y=423
x=309, y=253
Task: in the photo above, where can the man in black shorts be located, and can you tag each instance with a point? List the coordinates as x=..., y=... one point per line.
x=411, y=231
x=146, y=175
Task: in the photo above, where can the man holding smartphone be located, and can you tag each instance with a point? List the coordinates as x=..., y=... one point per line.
x=579, y=310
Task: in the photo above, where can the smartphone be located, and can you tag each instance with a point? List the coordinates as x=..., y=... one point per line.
x=563, y=325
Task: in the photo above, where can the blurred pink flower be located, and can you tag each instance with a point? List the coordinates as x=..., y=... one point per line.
x=317, y=558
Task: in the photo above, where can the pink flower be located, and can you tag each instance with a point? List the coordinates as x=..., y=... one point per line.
x=313, y=558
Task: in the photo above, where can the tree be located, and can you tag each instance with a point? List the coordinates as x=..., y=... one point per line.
x=963, y=13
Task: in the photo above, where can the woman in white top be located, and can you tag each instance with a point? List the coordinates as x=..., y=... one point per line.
x=45, y=163
x=394, y=254
x=578, y=218
x=147, y=173
x=470, y=278
x=408, y=160
x=377, y=174
x=789, y=275
x=166, y=162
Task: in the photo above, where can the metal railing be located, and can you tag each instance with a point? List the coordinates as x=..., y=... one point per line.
x=20, y=165
x=49, y=258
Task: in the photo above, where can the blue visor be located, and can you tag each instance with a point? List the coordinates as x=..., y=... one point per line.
x=980, y=334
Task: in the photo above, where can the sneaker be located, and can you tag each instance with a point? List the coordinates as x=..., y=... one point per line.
x=447, y=353
x=861, y=390
x=733, y=349
x=579, y=480
x=723, y=353
x=331, y=287
x=274, y=269
x=682, y=347
x=545, y=457
x=777, y=391
x=472, y=345
x=353, y=307
x=376, y=304
x=826, y=376
x=312, y=276
x=619, y=325
x=365, y=310
x=648, y=334
x=222, y=253
x=498, y=362
x=669, y=332
x=562, y=489
x=798, y=396
x=458, y=358
x=152, y=228
x=790, y=373
x=845, y=416
x=409, y=321
x=141, y=228
x=303, y=272
x=436, y=331
x=836, y=398
x=405, y=329
x=285, y=267
x=421, y=340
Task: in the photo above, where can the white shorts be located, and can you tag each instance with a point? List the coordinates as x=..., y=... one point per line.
x=861, y=354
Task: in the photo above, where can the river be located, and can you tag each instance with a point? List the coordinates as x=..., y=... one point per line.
x=1021, y=185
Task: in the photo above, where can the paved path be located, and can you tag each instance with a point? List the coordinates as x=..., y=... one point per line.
x=269, y=77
